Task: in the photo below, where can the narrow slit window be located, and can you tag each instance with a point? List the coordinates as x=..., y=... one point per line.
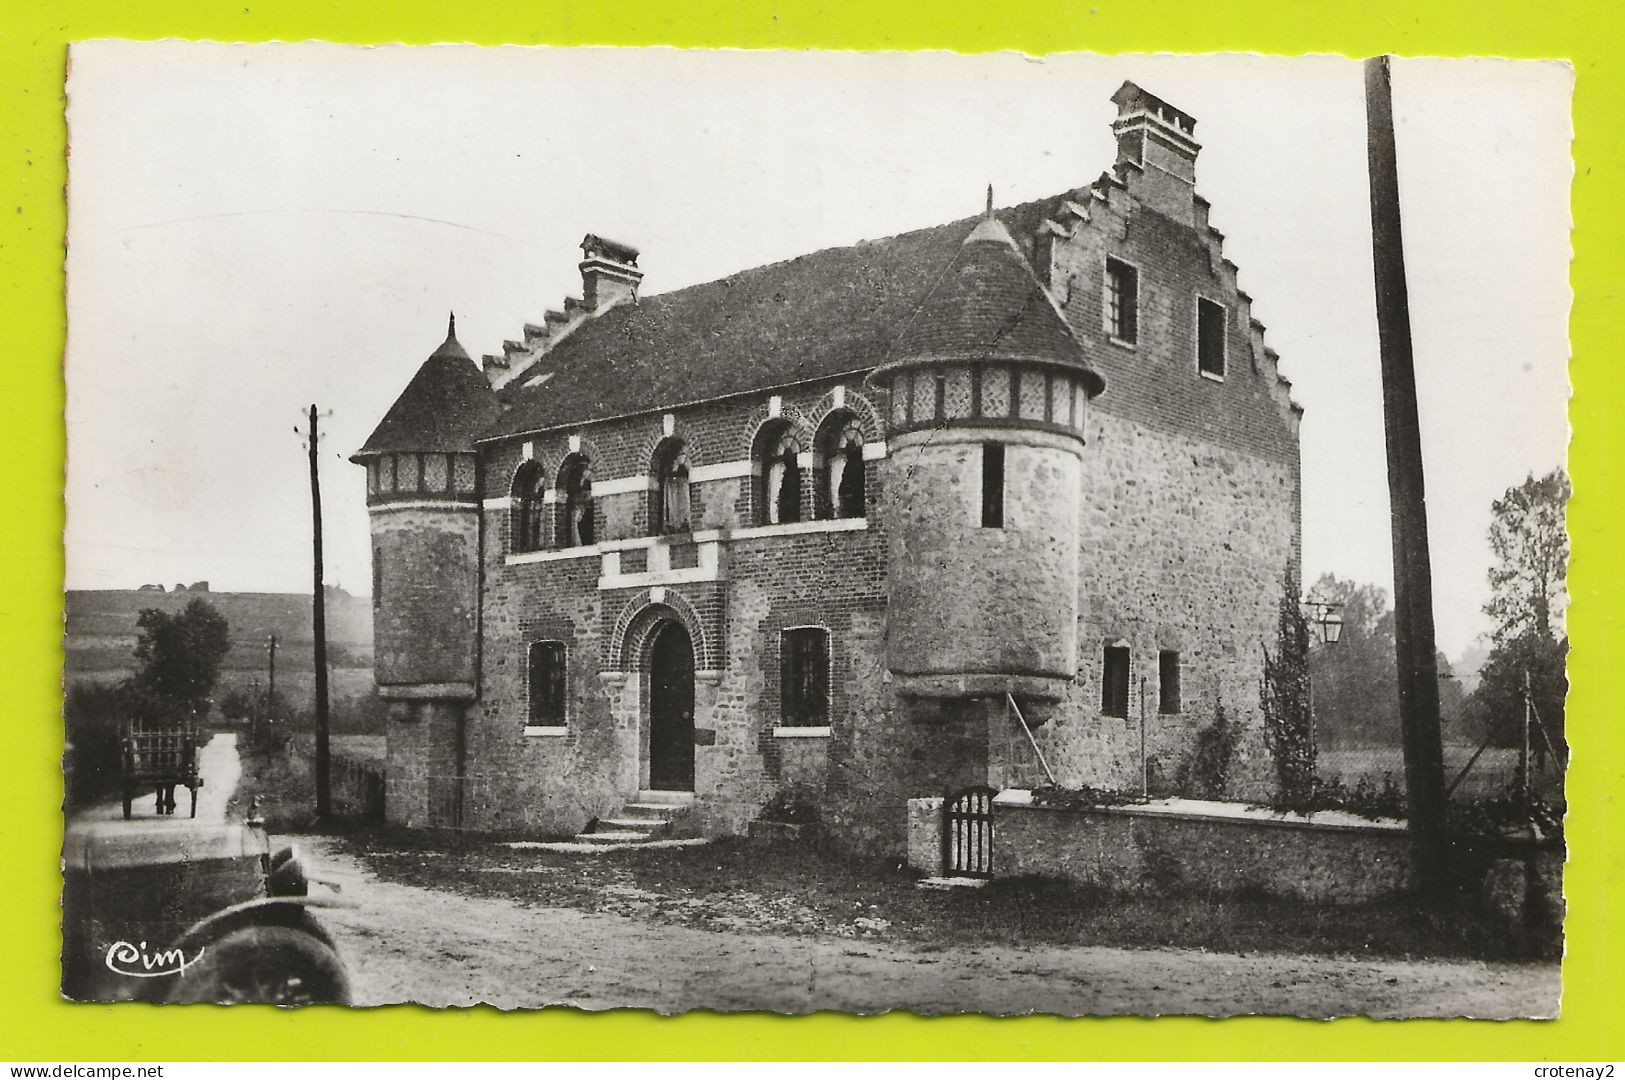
x=1114, y=682
x=1168, y=682
x=992, y=485
x=546, y=676
x=1122, y=301
x=1210, y=337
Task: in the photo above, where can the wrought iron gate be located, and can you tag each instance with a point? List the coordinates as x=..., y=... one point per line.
x=967, y=833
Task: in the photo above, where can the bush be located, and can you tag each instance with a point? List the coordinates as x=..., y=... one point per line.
x=1206, y=773
x=793, y=805
x=1082, y=798
x=1365, y=799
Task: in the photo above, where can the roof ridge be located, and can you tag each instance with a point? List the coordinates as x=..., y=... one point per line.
x=968, y=219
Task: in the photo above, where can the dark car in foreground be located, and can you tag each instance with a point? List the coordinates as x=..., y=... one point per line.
x=171, y=909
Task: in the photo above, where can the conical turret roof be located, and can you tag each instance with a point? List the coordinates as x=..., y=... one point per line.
x=988, y=305
x=445, y=405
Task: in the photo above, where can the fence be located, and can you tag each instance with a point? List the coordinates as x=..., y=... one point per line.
x=463, y=802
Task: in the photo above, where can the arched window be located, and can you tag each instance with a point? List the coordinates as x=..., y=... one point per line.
x=778, y=474
x=842, y=493
x=529, y=484
x=669, y=512
x=575, y=490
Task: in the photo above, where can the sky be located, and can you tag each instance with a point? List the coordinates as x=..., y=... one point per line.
x=256, y=228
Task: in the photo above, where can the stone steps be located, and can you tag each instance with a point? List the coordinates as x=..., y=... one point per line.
x=646, y=820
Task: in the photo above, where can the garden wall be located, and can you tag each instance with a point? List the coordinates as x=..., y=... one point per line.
x=1187, y=844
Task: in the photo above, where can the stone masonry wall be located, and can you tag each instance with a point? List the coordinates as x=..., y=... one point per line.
x=1184, y=547
x=559, y=781
x=425, y=610
x=1126, y=847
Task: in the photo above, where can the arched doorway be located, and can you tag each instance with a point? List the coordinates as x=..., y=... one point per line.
x=671, y=709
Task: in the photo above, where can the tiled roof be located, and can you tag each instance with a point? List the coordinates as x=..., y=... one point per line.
x=988, y=305
x=822, y=314
x=447, y=403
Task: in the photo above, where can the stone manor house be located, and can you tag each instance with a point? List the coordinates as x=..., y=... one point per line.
x=852, y=524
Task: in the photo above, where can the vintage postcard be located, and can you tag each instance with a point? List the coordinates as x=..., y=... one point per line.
x=816, y=531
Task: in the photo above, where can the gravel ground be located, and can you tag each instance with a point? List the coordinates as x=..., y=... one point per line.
x=440, y=947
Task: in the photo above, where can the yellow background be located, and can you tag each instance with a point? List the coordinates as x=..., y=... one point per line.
x=33, y=169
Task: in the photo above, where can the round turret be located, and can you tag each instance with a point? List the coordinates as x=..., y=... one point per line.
x=423, y=502
x=988, y=389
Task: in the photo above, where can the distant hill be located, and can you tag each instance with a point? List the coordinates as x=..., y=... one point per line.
x=101, y=632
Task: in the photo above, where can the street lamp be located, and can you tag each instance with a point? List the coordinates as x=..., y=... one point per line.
x=1327, y=615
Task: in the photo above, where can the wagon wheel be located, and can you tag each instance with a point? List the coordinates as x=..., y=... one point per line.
x=274, y=965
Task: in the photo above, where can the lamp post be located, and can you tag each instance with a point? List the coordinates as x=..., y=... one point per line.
x=1327, y=617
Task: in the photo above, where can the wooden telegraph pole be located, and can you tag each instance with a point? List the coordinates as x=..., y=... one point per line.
x=319, y=629
x=1413, y=574
x=270, y=692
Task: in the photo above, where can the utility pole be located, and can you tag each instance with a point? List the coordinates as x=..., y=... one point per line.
x=318, y=627
x=270, y=693
x=1413, y=575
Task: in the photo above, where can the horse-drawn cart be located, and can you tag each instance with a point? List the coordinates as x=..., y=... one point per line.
x=160, y=757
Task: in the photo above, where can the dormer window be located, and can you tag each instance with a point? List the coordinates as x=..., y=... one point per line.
x=670, y=509
x=1122, y=306
x=1210, y=335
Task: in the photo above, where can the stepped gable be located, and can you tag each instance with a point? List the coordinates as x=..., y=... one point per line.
x=988, y=305
x=826, y=313
x=447, y=403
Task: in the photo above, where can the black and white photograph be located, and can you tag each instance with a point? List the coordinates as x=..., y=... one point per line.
x=816, y=531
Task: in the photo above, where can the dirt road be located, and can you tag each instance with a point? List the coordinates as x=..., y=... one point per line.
x=220, y=768
x=406, y=943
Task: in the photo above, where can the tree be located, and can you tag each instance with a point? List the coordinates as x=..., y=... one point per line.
x=1530, y=544
x=1496, y=707
x=1289, y=730
x=1528, y=584
x=180, y=654
x=1356, y=681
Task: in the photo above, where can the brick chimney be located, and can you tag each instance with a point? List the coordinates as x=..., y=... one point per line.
x=609, y=273
x=1152, y=134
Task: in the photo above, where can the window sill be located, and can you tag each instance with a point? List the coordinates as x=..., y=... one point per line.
x=549, y=732
x=802, y=528
x=1121, y=342
x=1208, y=375
x=546, y=555
x=801, y=732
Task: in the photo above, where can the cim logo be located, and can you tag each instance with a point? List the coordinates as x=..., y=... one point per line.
x=124, y=958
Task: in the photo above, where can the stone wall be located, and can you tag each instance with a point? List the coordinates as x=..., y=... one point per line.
x=969, y=600
x=425, y=608
x=1201, y=847
x=1185, y=547
x=561, y=779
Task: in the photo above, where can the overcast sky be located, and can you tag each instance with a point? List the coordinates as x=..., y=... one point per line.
x=255, y=228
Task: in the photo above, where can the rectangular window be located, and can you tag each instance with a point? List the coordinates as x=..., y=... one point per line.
x=1210, y=337
x=434, y=472
x=1122, y=301
x=1168, y=681
x=804, y=677
x=1114, y=682
x=463, y=471
x=546, y=678
x=377, y=574
x=992, y=485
